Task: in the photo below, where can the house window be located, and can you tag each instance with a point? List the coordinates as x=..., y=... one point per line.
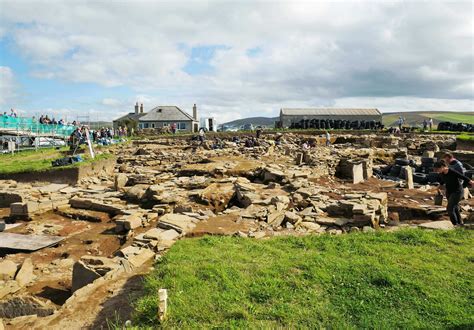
x=145, y=125
x=165, y=124
x=153, y=125
x=181, y=126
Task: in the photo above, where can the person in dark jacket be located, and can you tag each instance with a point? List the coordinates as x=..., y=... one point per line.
x=454, y=189
x=453, y=163
x=456, y=165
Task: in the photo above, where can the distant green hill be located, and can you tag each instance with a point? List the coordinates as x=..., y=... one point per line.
x=99, y=124
x=417, y=117
x=256, y=121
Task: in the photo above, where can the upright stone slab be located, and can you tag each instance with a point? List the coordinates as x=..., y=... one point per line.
x=82, y=275
x=299, y=158
x=25, y=274
x=120, y=181
x=408, y=176
x=428, y=154
x=357, y=173
x=306, y=157
x=368, y=171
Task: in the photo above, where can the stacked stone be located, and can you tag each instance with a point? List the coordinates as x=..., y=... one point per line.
x=362, y=208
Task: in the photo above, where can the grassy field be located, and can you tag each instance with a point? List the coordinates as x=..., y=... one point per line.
x=416, y=118
x=406, y=279
x=34, y=161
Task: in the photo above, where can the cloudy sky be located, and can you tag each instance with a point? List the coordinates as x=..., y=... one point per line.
x=234, y=59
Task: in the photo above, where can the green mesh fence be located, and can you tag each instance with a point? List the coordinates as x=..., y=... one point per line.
x=33, y=126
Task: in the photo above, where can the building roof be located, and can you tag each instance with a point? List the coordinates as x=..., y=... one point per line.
x=131, y=116
x=329, y=112
x=166, y=113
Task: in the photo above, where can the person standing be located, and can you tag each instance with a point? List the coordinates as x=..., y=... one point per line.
x=328, y=139
x=202, y=135
x=457, y=166
x=400, y=123
x=430, y=123
x=258, y=132
x=454, y=189
x=453, y=163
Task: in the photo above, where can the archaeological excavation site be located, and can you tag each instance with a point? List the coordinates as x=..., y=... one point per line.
x=78, y=247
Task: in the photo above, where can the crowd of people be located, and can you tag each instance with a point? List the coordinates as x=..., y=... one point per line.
x=12, y=114
x=121, y=132
x=45, y=120
x=103, y=133
x=102, y=136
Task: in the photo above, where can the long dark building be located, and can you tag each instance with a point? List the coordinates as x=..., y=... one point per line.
x=290, y=117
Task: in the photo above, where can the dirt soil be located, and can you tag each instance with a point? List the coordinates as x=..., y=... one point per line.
x=228, y=224
x=110, y=303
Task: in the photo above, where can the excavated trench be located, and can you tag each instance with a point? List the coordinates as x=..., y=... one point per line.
x=93, y=233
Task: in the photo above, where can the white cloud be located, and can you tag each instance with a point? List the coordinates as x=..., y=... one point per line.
x=111, y=102
x=8, y=86
x=405, y=55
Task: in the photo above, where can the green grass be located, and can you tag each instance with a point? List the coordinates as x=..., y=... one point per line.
x=465, y=137
x=416, y=118
x=457, y=118
x=405, y=279
x=38, y=161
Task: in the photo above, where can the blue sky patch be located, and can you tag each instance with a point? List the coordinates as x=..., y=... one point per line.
x=253, y=52
x=200, y=58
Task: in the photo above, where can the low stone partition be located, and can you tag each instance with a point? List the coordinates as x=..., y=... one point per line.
x=67, y=175
x=465, y=145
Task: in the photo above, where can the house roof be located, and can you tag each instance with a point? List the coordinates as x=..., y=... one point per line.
x=131, y=115
x=166, y=113
x=329, y=112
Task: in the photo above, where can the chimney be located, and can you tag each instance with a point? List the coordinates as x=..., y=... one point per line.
x=136, y=108
x=195, y=112
x=141, y=108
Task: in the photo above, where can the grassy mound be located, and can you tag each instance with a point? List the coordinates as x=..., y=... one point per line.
x=38, y=161
x=405, y=279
